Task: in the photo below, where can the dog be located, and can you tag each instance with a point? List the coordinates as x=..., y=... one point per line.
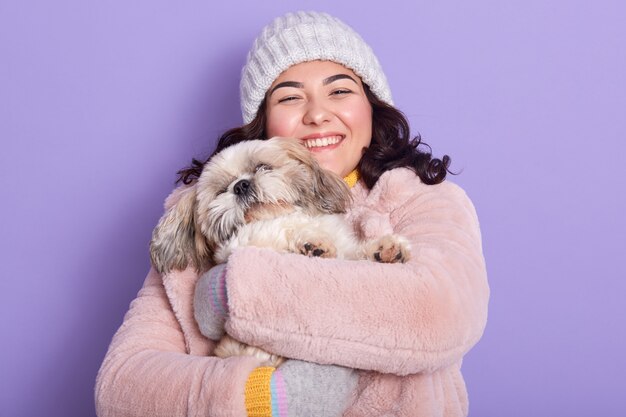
x=265, y=193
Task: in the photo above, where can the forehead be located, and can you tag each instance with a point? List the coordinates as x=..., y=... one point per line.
x=313, y=71
x=236, y=161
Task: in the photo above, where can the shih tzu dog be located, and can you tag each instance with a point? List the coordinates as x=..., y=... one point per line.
x=266, y=193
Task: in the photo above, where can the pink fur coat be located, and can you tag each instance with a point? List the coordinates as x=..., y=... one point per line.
x=405, y=326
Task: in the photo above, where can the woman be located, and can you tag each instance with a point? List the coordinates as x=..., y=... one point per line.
x=391, y=337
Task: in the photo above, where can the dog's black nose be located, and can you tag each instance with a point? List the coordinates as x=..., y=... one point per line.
x=241, y=187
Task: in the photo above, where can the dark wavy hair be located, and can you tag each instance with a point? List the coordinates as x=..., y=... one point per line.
x=391, y=146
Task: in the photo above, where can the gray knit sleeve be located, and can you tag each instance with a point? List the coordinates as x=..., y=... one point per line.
x=314, y=390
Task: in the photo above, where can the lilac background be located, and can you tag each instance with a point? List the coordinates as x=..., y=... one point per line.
x=102, y=102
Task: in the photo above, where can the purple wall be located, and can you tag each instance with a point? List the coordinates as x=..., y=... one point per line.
x=101, y=103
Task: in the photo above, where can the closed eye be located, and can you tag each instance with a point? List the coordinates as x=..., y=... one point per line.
x=288, y=98
x=262, y=168
x=340, y=92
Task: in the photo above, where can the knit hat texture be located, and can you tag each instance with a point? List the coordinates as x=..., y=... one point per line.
x=302, y=37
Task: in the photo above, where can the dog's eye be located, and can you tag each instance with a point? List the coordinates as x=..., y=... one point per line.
x=262, y=167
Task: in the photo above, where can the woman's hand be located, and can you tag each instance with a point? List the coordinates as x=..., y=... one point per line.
x=300, y=389
x=211, y=302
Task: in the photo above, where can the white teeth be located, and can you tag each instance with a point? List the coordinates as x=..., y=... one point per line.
x=321, y=142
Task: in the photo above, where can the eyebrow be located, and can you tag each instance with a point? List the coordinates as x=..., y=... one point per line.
x=286, y=84
x=297, y=84
x=336, y=77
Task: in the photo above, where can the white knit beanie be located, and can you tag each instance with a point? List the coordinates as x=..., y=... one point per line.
x=301, y=37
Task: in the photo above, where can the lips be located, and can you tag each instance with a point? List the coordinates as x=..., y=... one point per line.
x=322, y=140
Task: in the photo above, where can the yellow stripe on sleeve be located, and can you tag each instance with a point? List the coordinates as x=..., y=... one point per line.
x=258, y=397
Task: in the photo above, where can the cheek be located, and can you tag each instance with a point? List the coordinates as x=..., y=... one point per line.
x=281, y=123
x=360, y=120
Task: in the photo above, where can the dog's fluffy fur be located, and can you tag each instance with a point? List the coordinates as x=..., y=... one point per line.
x=266, y=193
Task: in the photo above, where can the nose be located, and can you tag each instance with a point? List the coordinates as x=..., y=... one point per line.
x=241, y=187
x=316, y=113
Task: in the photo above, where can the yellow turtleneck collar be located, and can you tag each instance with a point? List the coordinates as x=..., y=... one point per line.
x=352, y=178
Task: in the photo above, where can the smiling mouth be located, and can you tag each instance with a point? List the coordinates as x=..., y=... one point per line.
x=322, y=142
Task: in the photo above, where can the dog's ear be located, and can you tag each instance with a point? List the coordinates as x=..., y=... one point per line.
x=327, y=192
x=176, y=240
x=330, y=193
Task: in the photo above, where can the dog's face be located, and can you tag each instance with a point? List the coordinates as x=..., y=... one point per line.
x=243, y=183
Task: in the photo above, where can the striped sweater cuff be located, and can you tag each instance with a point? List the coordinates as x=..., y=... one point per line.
x=265, y=393
x=218, y=298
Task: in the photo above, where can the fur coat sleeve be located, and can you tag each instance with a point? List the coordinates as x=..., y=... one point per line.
x=401, y=319
x=157, y=363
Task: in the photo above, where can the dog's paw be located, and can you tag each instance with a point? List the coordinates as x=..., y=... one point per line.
x=228, y=347
x=267, y=359
x=318, y=249
x=389, y=249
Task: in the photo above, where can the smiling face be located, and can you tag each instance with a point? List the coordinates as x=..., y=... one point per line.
x=323, y=104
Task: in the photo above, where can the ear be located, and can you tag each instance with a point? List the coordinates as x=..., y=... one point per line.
x=328, y=193
x=176, y=240
x=331, y=193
